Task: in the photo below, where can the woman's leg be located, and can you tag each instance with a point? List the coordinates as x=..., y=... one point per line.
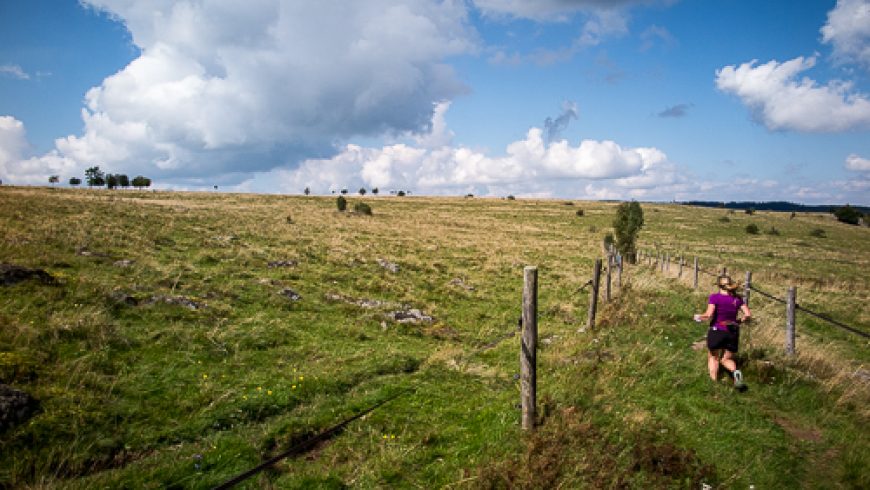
x=728, y=361
x=713, y=363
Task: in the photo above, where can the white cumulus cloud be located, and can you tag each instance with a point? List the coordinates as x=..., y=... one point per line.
x=848, y=31
x=532, y=163
x=781, y=101
x=857, y=163
x=222, y=88
x=16, y=167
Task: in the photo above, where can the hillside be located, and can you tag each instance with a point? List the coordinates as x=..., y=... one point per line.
x=185, y=337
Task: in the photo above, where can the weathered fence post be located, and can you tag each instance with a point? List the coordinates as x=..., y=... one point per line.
x=668, y=261
x=607, y=283
x=696, y=273
x=528, y=347
x=593, y=296
x=680, y=271
x=724, y=271
x=662, y=262
x=747, y=287
x=619, y=275
x=791, y=302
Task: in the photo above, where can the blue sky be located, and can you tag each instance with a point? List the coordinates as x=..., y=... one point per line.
x=646, y=99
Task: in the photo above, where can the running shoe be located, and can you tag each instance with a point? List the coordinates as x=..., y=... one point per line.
x=738, y=380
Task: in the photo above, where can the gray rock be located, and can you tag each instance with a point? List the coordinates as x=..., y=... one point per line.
x=410, y=316
x=390, y=266
x=291, y=294
x=281, y=263
x=123, y=263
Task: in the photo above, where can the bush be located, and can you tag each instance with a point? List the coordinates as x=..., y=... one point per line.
x=362, y=208
x=580, y=213
x=725, y=219
x=341, y=203
x=749, y=211
x=848, y=214
x=608, y=240
x=818, y=233
x=401, y=193
x=511, y=198
x=752, y=229
x=772, y=231
x=627, y=225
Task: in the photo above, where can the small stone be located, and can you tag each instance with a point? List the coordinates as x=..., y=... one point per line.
x=289, y=293
x=390, y=266
x=123, y=263
x=281, y=263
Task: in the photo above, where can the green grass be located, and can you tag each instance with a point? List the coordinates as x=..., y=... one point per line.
x=154, y=394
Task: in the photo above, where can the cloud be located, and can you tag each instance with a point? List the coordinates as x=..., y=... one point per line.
x=16, y=167
x=679, y=110
x=848, y=31
x=528, y=165
x=780, y=101
x=14, y=71
x=857, y=163
x=224, y=88
x=548, y=10
x=554, y=127
x=656, y=34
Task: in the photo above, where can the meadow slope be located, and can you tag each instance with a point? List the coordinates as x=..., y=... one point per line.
x=188, y=336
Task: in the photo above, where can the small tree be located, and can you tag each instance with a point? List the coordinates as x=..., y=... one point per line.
x=401, y=193
x=344, y=191
x=362, y=191
x=123, y=181
x=54, y=179
x=848, y=214
x=95, y=177
x=140, y=181
x=627, y=225
x=111, y=181
x=341, y=203
x=74, y=181
x=375, y=191
x=307, y=191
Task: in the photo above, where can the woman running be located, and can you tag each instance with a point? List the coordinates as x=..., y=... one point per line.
x=724, y=333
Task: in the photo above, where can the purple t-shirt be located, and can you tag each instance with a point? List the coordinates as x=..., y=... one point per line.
x=726, y=310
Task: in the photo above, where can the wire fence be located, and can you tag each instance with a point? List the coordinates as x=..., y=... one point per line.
x=820, y=316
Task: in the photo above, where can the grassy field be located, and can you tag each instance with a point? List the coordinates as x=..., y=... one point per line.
x=192, y=335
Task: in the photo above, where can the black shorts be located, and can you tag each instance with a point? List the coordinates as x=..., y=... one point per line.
x=723, y=339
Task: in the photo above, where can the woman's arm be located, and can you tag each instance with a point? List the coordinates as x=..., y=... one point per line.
x=747, y=315
x=709, y=313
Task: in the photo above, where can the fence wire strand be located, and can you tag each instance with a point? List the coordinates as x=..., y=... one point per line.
x=833, y=322
x=766, y=295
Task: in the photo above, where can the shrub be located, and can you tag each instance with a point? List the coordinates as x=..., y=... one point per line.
x=401, y=193
x=307, y=191
x=608, y=240
x=749, y=211
x=580, y=213
x=818, y=233
x=362, y=208
x=341, y=203
x=289, y=219
x=469, y=195
x=752, y=229
x=724, y=219
x=627, y=225
x=848, y=214
x=511, y=198
x=75, y=181
x=362, y=191
x=772, y=231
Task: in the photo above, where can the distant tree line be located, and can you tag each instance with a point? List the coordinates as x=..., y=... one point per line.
x=773, y=206
x=95, y=177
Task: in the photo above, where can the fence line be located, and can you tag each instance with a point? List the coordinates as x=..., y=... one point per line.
x=795, y=306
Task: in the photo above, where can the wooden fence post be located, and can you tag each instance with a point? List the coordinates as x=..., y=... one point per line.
x=747, y=287
x=619, y=275
x=662, y=262
x=593, y=296
x=724, y=271
x=668, y=261
x=696, y=273
x=528, y=347
x=680, y=271
x=607, y=283
x=791, y=302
